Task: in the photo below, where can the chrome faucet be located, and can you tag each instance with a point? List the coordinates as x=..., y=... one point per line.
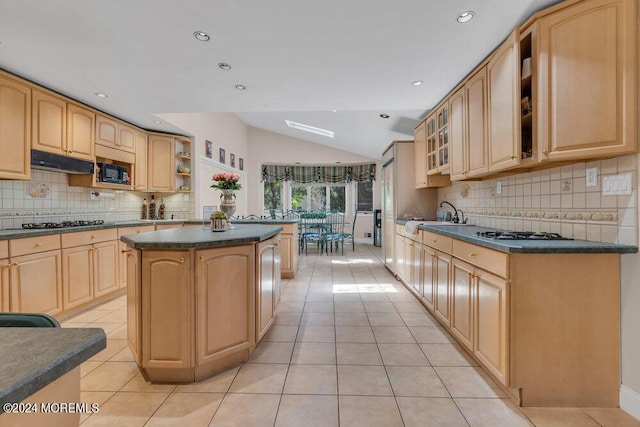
x=456, y=219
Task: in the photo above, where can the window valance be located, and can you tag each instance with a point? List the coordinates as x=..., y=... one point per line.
x=321, y=174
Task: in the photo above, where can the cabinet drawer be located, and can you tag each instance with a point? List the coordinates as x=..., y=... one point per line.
x=437, y=241
x=487, y=259
x=4, y=249
x=88, y=237
x=31, y=245
x=125, y=231
x=400, y=229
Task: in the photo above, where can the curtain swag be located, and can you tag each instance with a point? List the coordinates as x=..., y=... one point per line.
x=320, y=174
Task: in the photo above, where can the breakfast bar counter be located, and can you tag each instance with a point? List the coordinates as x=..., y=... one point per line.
x=199, y=301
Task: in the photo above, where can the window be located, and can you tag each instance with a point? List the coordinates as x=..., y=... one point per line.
x=364, y=196
x=318, y=197
x=272, y=195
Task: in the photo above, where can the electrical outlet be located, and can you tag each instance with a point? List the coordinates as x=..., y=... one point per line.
x=499, y=187
x=616, y=185
x=367, y=234
x=93, y=195
x=592, y=177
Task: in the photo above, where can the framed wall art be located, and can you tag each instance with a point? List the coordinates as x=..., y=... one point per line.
x=232, y=160
x=208, y=148
x=222, y=156
x=241, y=164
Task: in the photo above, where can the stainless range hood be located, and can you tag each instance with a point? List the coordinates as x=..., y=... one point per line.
x=58, y=163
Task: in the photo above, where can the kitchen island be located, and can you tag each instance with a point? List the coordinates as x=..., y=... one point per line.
x=199, y=301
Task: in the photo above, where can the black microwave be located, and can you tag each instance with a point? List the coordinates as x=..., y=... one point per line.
x=114, y=174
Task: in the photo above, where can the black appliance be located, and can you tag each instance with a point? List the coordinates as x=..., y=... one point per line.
x=58, y=163
x=520, y=235
x=377, y=227
x=63, y=224
x=111, y=173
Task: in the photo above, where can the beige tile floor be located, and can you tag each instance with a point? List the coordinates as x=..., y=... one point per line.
x=350, y=346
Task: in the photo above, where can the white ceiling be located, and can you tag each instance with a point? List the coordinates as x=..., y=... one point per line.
x=299, y=59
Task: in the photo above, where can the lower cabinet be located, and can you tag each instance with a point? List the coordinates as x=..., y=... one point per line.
x=224, y=296
x=4, y=284
x=105, y=268
x=123, y=258
x=267, y=284
x=289, y=251
x=36, y=283
x=462, y=298
x=442, y=292
x=428, y=274
x=134, y=294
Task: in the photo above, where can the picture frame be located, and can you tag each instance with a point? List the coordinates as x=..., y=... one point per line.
x=208, y=148
x=222, y=156
x=232, y=160
x=241, y=163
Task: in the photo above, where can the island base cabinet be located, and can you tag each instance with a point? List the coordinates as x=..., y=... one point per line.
x=134, y=292
x=267, y=284
x=167, y=310
x=225, y=296
x=36, y=283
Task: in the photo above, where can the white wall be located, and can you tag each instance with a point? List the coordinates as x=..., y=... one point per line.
x=226, y=131
x=269, y=147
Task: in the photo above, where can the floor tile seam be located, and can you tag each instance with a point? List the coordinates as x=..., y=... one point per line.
x=159, y=406
x=587, y=414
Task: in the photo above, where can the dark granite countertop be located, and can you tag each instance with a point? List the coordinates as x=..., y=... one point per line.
x=31, y=358
x=200, y=238
x=467, y=233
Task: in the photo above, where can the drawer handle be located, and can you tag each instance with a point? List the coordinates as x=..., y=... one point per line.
x=5, y=266
x=181, y=260
x=434, y=240
x=545, y=152
x=472, y=254
x=38, y=244
x=93, y=236
x=15, y=264
x=124, y=251
x=201, y=258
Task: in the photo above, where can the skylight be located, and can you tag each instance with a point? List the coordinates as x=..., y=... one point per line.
x=311, y=129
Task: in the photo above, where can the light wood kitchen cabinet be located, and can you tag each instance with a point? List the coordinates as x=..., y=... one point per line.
x=124, y=251
x=399, y=264
x=167, y=309
x=134, y=295
x=267, y=283
x=462, y=299
x=422, y=179
x=77, y=276
x=289, y=250
x=438, y=140
x=36, y=283
x=428, y=278
x=110, y=133
x=127, y=138
x=15, y=130
x=141, y=170
x=477, y=146
x=587, y=80
x=458, y=164
x=4, y=276
x=491, y=322
x=224, y=296
x=160, y=154
x=49, y=122
x=105, y=268
x=504, y=105
x=417, y=267
x=442, y=287
x=80, y=132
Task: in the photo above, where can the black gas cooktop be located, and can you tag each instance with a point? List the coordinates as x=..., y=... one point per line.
x=63, y=224
x=520, y=235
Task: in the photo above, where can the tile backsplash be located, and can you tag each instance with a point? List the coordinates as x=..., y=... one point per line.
x=48, y=197
x=554, y=200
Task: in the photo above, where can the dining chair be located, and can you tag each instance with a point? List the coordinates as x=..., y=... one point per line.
x=347, y=236
x=335, y=231
x=313, y=226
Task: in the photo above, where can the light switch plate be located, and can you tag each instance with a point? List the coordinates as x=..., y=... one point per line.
x=616, y=185
x=592, y=177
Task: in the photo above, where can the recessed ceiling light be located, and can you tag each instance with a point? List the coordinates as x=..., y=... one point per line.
x=465, y=16
x=101, y=95
x=334, y=111
x=158, y=122
x=202, y=36
x=384, y=116
x=241, y=87
x=417, y=83
x=224, y=66
x=307, y=128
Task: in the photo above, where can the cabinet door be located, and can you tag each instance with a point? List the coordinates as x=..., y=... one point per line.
x=277, y=273
x=105, y=267
x=141, y=161
x=443, y=137
x=410, y=259
x=428, y=277
x=127, y=138
x=587, y=80
x=420, y=155
x=225, y=286
x=134, y=303
x=399, y=256
x=80, y=132
x=286, y=254
x=49, y=123
x=123, y=254
x=77, y=276
x=476, y=114
x=458, y=161
x=167, y=311
x=106, y=132
x=4, y=284
x=15, y=130
x=462, y=283
x=492, y=324
x=160, y=163
x=265, y=286
x=417, y=278
x=504, y=106
x=442, y=289
x=36, y=283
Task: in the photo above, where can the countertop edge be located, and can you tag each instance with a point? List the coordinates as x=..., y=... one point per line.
x=54, y=370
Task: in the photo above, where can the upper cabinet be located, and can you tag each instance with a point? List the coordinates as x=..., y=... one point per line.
x=140, y=177
x=459, y=163
x=504, y=106
x=477, y=141
x=80, y=129
x=422, y=180
x=15, y=130
x=112, y=134
x=438, y=140
x=587, y=78
x=49, y=122
x=160, y=163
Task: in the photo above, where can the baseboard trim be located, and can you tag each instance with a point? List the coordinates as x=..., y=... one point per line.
x=630, y=401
